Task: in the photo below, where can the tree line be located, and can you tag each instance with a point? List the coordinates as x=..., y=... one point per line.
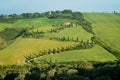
x=65, y=14
x=82, y=45
x=81, y=70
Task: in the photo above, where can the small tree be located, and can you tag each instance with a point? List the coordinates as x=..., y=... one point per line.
x=68, y=38
x=34, y=74
x=54, y=51
x=77, y=39
x=62, y=49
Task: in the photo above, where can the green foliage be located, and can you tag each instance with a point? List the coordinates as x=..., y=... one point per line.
x=33, y=75
x=103, y=78
x=10, y=33
x=11, y=76
x=72, y=72
x=62, y=71
x=85, y=65
x=8, y=18
x=75, y=77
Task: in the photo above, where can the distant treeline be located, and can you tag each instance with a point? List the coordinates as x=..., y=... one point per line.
x=50, y=14
x=65, y=14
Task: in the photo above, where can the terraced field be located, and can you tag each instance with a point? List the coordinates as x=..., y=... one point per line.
x=96, y=53
x=107, y=27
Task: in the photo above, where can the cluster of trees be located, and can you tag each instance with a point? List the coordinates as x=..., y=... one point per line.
x=37, y=34
x=67, y=39
x=50, y=14
x=59, y=27
x=8, y=35
x=82, y=70
x=8, y=18
x=11, y=33
x=14, y=17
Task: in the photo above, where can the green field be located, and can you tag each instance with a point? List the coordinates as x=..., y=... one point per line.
x=35, y=22
x=107, y=27
x=73, y=32
x=96, y=53
x=25, y=46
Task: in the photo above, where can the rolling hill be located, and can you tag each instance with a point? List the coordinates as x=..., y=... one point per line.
x=96, y=53
x=107, y=27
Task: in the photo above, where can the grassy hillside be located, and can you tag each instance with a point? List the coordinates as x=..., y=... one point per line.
x=96, y=53
x=73, y=32
x=107, y=27
x=36, y=22
x=25, y=46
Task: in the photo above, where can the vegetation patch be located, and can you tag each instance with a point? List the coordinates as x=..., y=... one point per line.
x=16, y=52
x=106, y=27
x=96, y=53
x=72, y=33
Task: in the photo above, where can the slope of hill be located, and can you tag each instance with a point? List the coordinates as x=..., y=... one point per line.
x=14, y=54
x=72, y=33
x=96, y=53
x=35, y=22
x=107, y=27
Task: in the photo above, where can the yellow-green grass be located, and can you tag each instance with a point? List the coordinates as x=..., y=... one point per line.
x=14, y=54
x=107, y=27
x=42, y=29
x=72, y=32
x=36, y=22
x=96, y=53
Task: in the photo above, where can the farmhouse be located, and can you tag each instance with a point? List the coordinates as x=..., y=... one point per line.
x=66, y=24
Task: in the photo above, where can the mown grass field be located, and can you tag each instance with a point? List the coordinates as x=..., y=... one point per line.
x=14, y=54
x=35, y=22
x=96, y=53
x=107, y=27
x=73, y=32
